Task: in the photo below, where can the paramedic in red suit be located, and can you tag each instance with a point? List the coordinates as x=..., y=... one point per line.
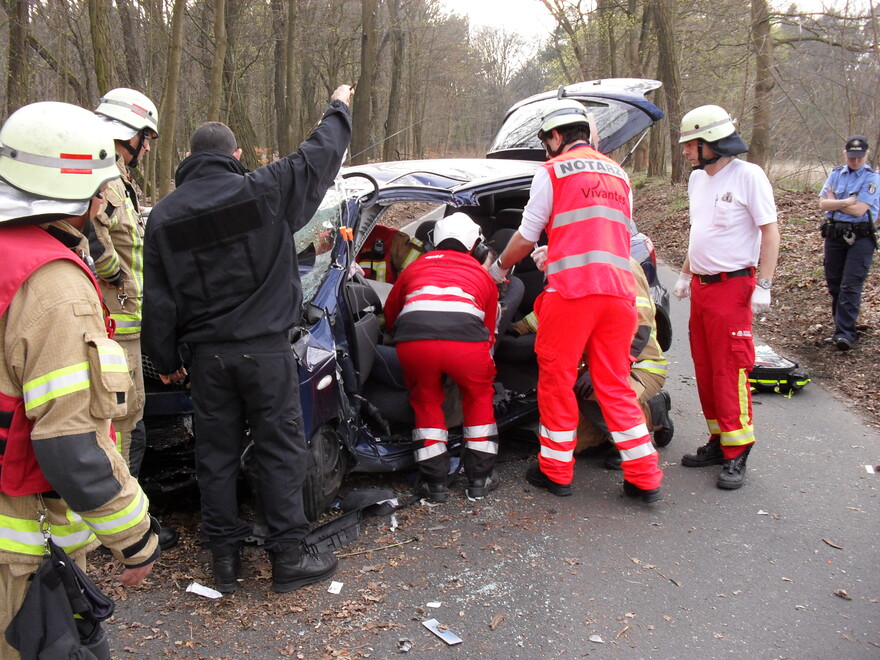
x=733, y=222
x=441, y=313
x=587, y=310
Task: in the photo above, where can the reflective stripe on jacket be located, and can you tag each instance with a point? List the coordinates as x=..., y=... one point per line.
x=589, y=239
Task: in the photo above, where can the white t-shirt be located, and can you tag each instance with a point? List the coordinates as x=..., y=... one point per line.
x=726, y=212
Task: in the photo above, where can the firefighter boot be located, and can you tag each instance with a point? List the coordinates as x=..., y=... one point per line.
x=648, y=496
x=734, y=471
x=434, y=492
x=537, y=478
x=478, y=488
x=708, y=454
x=226, y=566
x=659, y=405
x=292, y=569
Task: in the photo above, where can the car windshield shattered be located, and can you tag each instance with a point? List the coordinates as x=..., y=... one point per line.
x=314, y=242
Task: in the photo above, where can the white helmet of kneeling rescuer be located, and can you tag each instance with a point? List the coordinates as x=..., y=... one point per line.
x=54, y=157
x=712, y=125
x=457, y=226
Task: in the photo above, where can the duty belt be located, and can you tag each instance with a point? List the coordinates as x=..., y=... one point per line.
x=720, y=277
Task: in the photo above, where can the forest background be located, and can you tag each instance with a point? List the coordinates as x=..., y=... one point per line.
x=431, y=85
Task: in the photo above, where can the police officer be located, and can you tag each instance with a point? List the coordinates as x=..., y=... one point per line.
x=850, y=199
x=221, y=276
x=61, y=378
x=116, y=243
x=587, y=310
x=447, y=293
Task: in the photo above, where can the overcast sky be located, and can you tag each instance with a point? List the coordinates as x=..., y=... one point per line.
x=531, y=19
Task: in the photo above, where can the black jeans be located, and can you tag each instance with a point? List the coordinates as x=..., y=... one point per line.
x=235, y=386
x=846, y=268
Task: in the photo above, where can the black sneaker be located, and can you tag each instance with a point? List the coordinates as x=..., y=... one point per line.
x=226, y=567
x=733, y=474
x=648, y=496
x=708, y=454
x=477, y=489
x=434, y=492
x=537, y=478
x=296, y=568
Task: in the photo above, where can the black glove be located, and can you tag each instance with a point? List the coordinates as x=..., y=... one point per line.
x=584, y=385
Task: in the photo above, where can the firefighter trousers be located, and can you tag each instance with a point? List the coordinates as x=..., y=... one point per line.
x=724, y=353
x=250, y=384
x=470, y=365
x=599, y=330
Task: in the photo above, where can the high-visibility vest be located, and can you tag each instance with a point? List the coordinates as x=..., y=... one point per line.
x=588, y=234
x=24, y=250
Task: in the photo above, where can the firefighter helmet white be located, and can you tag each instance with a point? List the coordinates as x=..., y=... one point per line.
x=128, y=111
x=563, y=112
x=56, y=151
x=458, y=226
x=709, y=123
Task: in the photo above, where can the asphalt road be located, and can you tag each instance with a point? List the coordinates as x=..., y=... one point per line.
x=705, y=573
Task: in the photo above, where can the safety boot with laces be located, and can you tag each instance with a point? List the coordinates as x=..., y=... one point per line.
x=733, y=473
x=226, y=567
x=295, y=568
x=708, y=454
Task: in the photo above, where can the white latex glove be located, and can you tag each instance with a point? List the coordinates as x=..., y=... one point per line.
x=760, y=300
x=682, y=288
x=539, y=256
x=498, y=273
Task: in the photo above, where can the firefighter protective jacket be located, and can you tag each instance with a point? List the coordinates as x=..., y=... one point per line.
x=220, y=263
x=117, y=246
x=443, y=295
x=65, y=380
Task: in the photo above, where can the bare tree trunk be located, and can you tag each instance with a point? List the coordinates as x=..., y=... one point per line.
x=290, y=105
x=168, y=112
x=656, y=143
x=361, y=119
x=17, y=72
x=391, y=150
x=279, y=70
x=668, y=72
x=81, y=97
x=215, y=91
x=102, y=44
x=133, y=66
x=759, y=149
x=239, y=121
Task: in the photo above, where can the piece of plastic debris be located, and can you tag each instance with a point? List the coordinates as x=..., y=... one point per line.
x=202, y=590
x=434, y=603
x=872, y=469
x=442, y=632
x=404, y=645
x=761, y=512
x=393, y=522
x=335, y=587
x=597, y=639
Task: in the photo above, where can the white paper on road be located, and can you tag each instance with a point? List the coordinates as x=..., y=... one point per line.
x=335, y=587
x=202, y=590
x=446, y=635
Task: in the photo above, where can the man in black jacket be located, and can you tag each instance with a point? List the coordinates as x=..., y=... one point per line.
x=221, y=276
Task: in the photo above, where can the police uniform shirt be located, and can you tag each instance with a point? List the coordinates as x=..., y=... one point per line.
x=844, y=182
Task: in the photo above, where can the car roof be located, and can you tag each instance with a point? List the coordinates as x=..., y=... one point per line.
x=619, y=106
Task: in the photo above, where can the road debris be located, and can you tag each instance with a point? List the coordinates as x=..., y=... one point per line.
x=335, y=587
x=832, y=544
x=404, y=645
x=496, y=621
x=841, y=593
x=381, y=547
x=597, y=639
x=202, y=590
x=442, y=632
